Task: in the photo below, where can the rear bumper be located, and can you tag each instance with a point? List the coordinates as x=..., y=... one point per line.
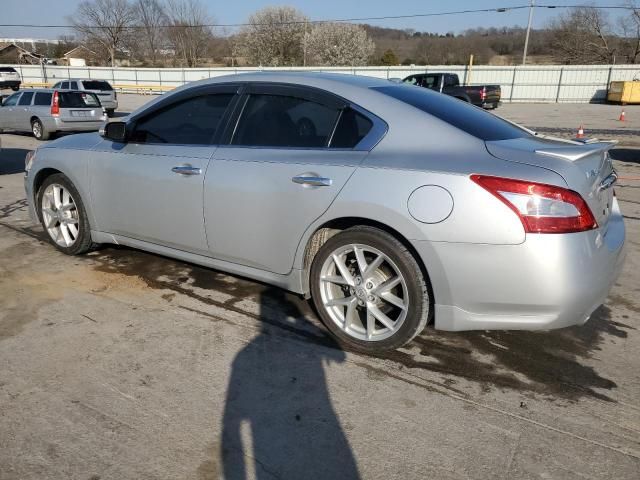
x=109, y=104
x=10, y=83
x=549, y=281
x=77, y=126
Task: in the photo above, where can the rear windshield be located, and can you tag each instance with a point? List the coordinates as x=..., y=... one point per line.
x=78, y=100
x=7, y=69
x=466, y=117
x=96, y=85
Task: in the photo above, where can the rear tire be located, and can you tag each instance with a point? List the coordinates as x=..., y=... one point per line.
x=369, y=290
x=63, y=216
x=16, y=88
x=110, y=112
x=38, y=130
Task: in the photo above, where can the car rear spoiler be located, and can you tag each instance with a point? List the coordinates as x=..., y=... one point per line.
x=576, y=152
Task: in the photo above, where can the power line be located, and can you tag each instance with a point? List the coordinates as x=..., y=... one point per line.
x=339, y=20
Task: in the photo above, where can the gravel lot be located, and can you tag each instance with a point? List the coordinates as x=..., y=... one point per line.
x=127, y=365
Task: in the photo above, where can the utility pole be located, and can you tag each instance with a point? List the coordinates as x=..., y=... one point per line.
x=526, y=38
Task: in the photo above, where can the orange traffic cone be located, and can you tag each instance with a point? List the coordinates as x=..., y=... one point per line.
x=580, y=132
x=621, y=119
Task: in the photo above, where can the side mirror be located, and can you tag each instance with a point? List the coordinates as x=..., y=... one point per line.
x=115, y=131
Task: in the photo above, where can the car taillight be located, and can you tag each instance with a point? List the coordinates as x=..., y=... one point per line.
x=542, y=208
x=115, y=95
x=483, y=93
x=55, y=104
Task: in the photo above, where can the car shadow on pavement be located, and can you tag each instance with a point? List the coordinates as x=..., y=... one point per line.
x=278, y=420
x=12, y=160
x=630, y=155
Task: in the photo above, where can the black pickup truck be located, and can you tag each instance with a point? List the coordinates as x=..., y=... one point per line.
x=485, y=96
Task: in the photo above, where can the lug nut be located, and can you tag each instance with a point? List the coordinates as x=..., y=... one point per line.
x=371, y=298
x=369, y=285
x=358, y=280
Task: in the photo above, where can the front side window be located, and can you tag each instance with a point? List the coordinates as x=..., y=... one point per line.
x=26, y=98
x=284, y=121
x=12, y=100
x=189, y=122
x=42, y=99
x=65, y=85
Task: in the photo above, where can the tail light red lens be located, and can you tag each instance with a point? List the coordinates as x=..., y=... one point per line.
x=483, y=93
x=542, y=208
x=55, y=104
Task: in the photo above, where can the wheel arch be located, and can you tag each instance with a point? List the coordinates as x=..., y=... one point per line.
x=331, y=227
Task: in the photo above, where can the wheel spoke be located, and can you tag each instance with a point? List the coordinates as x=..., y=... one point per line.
x=344, y=271
x=371, y=325
x=340, y=301
x=393, y=300
x=387, y=285
x=334, y=279
x=351, y=315
x=73, y=229
x=362, y=262
x=380, y=316
x=57, y=200
x=66, y=198
x=68, y=206
x=64, y=229
x=373, y=266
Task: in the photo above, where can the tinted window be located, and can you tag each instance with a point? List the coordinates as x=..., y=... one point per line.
x=26, y=98
x=283, y=121
x=58, y=85
x=73, y=85
x=42, y=99
x=193, y=121
x=7, y=70
x=96, y=85
x=78, y=100
x=470, y=119
x=351, y=128
x=450, y=81
x=64, y=85
x=12, y=100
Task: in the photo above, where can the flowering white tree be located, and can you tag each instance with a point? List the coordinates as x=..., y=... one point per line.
x=338, y=44
x=273, y=37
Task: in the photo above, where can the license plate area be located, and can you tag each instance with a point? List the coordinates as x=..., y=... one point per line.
x=81, y=113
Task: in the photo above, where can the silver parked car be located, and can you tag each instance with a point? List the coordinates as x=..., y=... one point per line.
x=10, y=78
x=103, y=89
x=391, y=205
x=44, y=112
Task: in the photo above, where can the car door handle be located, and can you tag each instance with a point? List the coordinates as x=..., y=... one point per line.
x=312, y=181
x=187, y=170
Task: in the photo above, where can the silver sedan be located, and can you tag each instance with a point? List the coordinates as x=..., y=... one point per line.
x=390, y=205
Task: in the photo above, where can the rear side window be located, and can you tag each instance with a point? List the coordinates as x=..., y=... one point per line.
x=64, y=85
x=190, y=122
x=25, y=99
x=96, y=85
x=73, y=85
x=466, y=117
x=7, y=70
x=78, y=100
x=284, y=121
x=42, y=99
x=352, y=127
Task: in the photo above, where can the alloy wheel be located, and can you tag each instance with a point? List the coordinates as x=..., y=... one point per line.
x=60, y=215
x=364, y=292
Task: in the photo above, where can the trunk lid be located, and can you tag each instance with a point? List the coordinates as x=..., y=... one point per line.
x=585, y=166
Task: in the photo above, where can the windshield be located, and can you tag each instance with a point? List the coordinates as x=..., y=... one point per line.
x=96, y=85
x=78, y=100
x=472, y=120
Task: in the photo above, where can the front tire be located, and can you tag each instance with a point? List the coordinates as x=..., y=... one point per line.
x=369, y=290
x=110, y=112
x=63, y=216
x=38, y=130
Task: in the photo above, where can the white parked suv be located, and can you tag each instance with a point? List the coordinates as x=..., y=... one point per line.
x=10, y=78
x=102, y=88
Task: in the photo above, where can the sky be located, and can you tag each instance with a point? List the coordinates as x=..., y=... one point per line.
x=55, y=12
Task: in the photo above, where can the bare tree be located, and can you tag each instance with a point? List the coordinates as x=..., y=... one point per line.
x=339, y=44
x=105, y=23
x=273, y=37
x=188, y=30
x=630, y=33
x=151, y=19
x=584, y=35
